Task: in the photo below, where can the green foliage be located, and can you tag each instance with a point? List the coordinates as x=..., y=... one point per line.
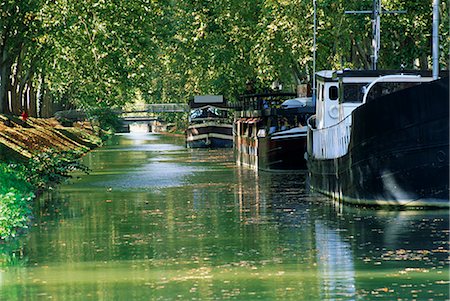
x=12, y=175
x=97, y=54
x=14, y=212
x=15, y=197
x=179, y=120
x=17, y=181
x=52, y=167
x=106, y=118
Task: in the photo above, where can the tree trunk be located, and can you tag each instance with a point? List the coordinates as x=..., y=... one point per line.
x=43, y=98
x=5, y=78
x=5, y=73
x=25, y=82
x=18, y=85
x=14, y=99
x=32, y=109
x=423, y=62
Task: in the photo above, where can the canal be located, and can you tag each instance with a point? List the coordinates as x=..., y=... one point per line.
x=155, y=221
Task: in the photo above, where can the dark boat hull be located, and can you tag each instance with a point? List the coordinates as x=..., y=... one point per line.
x=269, y=154
x=283, y=154
x=209, y=135
x=398, y=152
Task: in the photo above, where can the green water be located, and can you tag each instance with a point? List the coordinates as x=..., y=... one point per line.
x=155, y=221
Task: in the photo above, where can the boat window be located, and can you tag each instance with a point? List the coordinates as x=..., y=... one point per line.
x=385, y=88
x=333, y=93
x=195, y=113
x=353, y=92
x=208, y=112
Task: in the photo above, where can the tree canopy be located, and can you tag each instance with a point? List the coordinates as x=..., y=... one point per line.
x=99, y=53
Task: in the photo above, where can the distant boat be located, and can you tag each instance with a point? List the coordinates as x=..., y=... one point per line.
x=381, y=138
x=210, y=125
x=271, y=131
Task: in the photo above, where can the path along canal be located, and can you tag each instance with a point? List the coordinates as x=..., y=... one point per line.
x=155, y=221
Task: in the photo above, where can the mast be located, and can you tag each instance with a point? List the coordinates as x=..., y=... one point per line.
x=376, y=12
x=435, y=39
x=376, y=23
x=314, y=89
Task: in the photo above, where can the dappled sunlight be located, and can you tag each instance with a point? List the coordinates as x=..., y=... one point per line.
x=157, y=221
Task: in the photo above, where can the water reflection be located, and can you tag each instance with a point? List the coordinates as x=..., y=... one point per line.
x=335, y=264
x=155, y=221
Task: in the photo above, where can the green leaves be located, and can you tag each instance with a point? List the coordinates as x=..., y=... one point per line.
x=99, y=53
x=17, y=180
x=52, y=167
x=14, y=212
x=15, y=200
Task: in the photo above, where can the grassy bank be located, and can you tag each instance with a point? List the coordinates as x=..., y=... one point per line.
x=35, y=155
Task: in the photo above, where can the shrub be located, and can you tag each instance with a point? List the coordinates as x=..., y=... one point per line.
x=52, y=167
x=12, y=175
x=14, y=212
x=17, y=180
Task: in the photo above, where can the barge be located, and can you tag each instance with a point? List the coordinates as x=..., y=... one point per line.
x=381, y=138
x=271, y=132
x=210, y=124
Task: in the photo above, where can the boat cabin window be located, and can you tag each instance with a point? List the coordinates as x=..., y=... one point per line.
x=208, y=112
x=333, y=93
x=353, y=92
x=385, y=88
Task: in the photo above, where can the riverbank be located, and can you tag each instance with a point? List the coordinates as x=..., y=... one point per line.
x=20, y=140
x=33, y=155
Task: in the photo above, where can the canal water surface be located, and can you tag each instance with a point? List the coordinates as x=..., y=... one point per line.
x=155, y=221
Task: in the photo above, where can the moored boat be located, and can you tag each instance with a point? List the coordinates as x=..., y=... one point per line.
x=210, y=125
x=381, y=138
x=271, y=131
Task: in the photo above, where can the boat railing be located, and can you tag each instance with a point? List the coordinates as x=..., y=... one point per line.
x=262, y=101
x=393, y=78
x=330, y=142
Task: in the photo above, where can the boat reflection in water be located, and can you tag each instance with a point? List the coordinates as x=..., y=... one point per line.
x=155, y=221
x=335, y=264
x=351, y=253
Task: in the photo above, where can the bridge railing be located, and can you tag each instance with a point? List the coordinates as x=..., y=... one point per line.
x=157, y=108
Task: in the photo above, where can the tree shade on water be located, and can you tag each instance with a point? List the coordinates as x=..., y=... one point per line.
x=155, y=221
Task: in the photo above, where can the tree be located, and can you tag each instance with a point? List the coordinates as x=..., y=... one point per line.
x=98, y=54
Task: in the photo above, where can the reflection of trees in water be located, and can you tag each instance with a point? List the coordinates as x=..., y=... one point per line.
x=347, y=243
x=11, y=255
x=225, y=220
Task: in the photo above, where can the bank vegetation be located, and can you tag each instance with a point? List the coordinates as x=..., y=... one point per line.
x=35, y=155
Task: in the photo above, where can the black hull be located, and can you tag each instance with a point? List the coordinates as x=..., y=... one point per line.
x=209, y=135
x=398, y=153
x=270, y=154
x=282, y=154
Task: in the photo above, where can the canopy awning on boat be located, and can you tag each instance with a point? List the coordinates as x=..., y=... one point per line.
x=249, y=120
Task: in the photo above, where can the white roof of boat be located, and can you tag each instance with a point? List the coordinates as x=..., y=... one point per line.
x=297, y=102
x=326, y=73
x=296, y=130
x=208, y=99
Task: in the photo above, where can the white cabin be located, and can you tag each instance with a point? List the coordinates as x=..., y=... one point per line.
x=327, y=104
